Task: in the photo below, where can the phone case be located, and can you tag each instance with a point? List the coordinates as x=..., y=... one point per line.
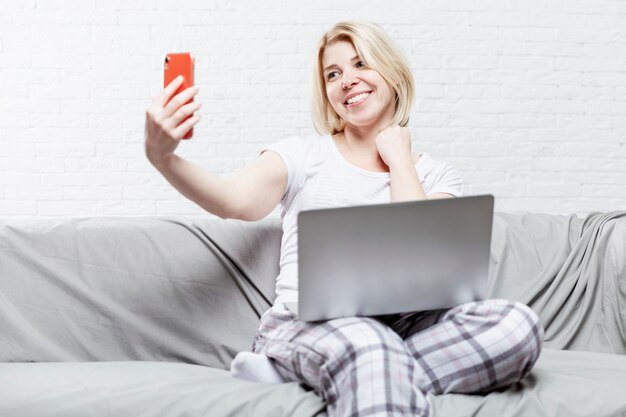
x=179, y=64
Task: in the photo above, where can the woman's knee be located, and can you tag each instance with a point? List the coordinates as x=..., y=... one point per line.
x=525, y=331
x=519, y=335
x=518, y=326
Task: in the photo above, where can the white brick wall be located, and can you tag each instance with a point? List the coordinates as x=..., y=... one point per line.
x=526, y=98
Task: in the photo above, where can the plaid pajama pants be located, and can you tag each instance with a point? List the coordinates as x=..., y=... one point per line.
x=386, y=365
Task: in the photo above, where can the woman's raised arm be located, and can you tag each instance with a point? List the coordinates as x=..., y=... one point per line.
x=249, y=194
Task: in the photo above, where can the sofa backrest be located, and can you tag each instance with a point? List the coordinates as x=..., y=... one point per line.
x=107, y=288
x=570, y=270
x=192, y=289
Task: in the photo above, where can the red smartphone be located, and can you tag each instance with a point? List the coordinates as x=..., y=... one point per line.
x=179, y=64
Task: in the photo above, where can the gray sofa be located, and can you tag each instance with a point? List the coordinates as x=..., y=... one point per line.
x=142, y=316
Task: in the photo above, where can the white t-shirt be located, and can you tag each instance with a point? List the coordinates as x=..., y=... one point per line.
x=318, y=176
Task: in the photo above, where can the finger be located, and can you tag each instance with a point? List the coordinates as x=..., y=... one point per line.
x=168, y=91
x=179, y=100
x=185, y=127
x=184, y=112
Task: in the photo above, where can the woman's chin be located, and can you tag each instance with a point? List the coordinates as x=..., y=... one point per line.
x=364, y=122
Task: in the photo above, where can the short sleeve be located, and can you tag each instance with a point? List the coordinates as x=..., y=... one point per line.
x=439, y=176
x=447, y=180
x=292, y=152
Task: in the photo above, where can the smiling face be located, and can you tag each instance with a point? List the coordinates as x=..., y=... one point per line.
x=358, y=94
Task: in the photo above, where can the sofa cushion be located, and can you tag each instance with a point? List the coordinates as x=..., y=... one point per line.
x=563, y=383
x=120, y=389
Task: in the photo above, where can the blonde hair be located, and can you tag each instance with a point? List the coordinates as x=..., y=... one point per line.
x=380, y=53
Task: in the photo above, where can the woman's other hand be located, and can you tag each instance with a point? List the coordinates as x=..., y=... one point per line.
x=394, y=146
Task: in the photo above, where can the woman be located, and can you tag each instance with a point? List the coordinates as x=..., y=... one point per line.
x=361, y=366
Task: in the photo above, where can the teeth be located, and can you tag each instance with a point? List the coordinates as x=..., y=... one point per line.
x=357, y=98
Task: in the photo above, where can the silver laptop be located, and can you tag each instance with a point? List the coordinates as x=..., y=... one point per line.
x=392, y=258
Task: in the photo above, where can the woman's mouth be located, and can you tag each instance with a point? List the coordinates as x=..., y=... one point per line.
x=358, y=99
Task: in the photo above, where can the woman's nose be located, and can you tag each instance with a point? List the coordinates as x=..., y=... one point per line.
x=349, y=81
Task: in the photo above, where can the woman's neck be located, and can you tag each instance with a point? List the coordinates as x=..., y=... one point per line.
x=358, y=146
x=362, y=138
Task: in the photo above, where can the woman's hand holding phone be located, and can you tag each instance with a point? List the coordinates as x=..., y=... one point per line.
x=168, y=120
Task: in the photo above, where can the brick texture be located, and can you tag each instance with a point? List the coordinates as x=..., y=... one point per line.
x=526, y=98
